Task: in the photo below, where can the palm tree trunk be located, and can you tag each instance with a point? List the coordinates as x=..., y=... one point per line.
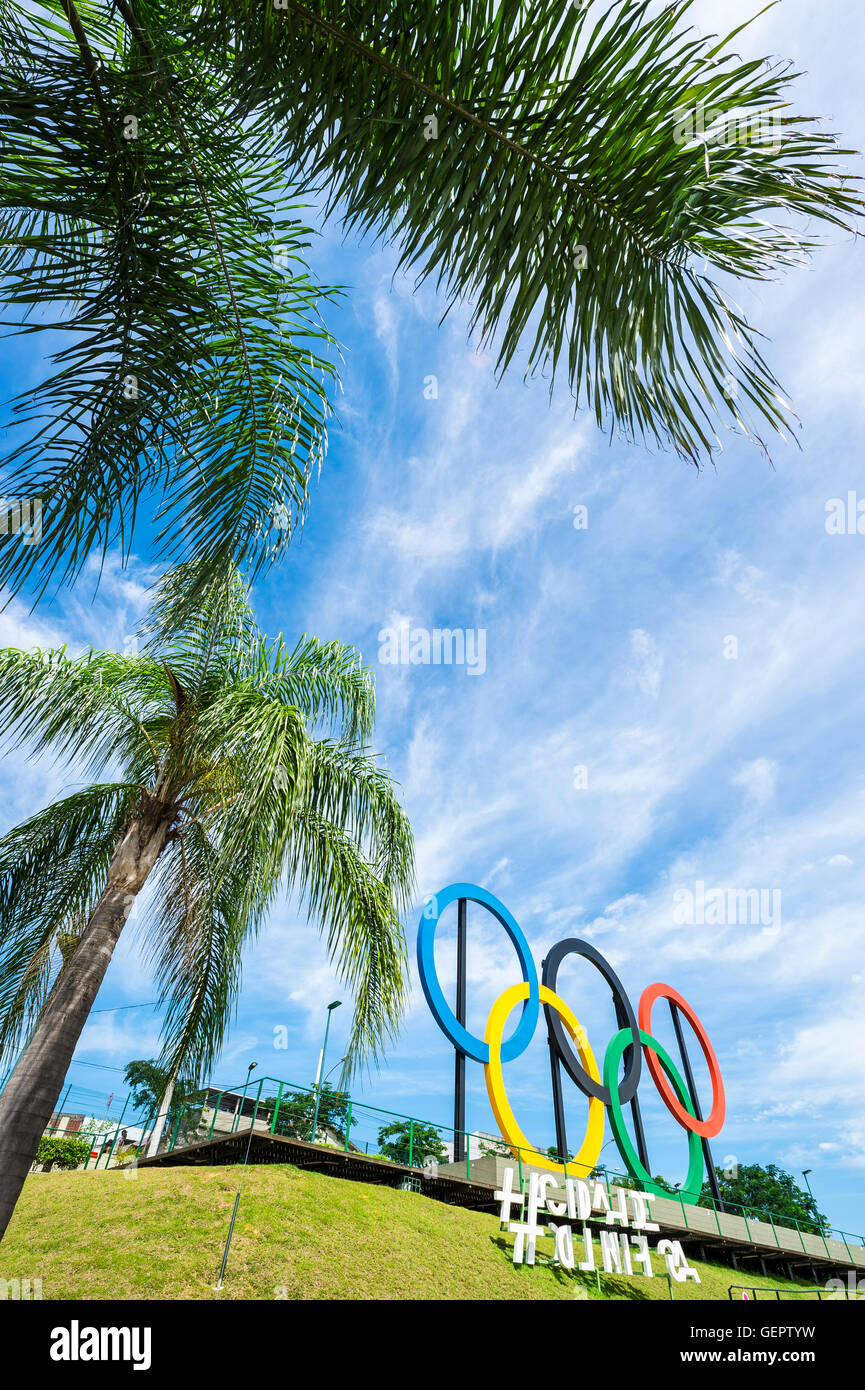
x=159, y=1123
x=31, y=1093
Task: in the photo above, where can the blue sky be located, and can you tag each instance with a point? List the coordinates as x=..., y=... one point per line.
x=606, y=648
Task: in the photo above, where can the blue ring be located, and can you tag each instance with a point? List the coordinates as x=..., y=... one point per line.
x=462, y=1039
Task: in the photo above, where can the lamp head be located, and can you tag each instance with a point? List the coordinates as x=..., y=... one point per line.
x=335, y=1005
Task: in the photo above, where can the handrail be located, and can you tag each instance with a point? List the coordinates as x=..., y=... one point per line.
x=757, y=1289
x=355, y=1108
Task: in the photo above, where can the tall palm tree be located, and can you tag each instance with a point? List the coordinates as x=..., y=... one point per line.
x=236, y=762
x=533, y=156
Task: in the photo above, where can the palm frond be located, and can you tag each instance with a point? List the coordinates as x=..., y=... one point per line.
x=201, y=622
x=195, y=945
x=96, y=706
x=326, y=681
x=365, y=940
x=347, y=788
x=150, y=234
x=530, y=157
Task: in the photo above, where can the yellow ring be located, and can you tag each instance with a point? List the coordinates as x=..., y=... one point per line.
x=584, y=1161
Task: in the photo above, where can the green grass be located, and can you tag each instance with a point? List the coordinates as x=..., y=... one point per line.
x=160, y=1233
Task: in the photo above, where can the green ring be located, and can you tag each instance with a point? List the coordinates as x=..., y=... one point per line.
x=615, y=1050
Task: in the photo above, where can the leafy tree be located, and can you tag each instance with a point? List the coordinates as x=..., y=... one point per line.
x=768, y=1189
x=148, y=1084
x=296, y=1111
x=626, y=1180
x=226, y=786
x=529, y=155
x=672, y=1188
x=424, y=1141
x=61, y=1152
x=553, y=1153
x=497, y=1147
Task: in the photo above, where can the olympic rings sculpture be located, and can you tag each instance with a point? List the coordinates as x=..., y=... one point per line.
x=601, y=1085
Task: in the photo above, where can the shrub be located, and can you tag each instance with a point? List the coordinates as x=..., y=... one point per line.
x=60, y=1152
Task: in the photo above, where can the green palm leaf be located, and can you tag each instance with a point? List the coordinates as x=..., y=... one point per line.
x=559, y=194
x=152, y=237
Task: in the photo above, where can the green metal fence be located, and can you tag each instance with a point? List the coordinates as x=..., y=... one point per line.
x=286, y=1109
x=780, y=1295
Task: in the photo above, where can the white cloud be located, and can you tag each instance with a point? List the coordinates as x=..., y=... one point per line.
x=24, y=630
x=758, y=780
x=385, y=318
x=647, y=663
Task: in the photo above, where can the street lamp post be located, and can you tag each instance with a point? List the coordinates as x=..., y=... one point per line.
x=242, y=1101
x=330, y=1008
x=249, y=1072
x=805, y=1172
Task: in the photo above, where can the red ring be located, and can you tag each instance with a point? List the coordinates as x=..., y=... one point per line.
x=705, y=1128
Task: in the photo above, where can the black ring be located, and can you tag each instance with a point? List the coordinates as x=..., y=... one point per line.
x=577, y=1073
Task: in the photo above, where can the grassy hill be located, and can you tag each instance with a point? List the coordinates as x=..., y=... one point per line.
x=159, y=1233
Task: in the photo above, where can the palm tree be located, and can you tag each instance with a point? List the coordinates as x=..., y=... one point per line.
x=239, y=763
x=595, y=178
